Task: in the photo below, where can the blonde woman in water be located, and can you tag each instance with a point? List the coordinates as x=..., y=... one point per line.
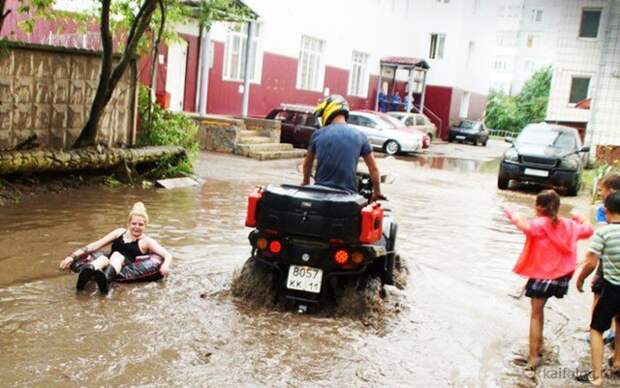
x=127, y=244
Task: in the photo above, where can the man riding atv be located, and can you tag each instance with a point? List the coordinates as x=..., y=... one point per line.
x=337, y=148
x=318, y=239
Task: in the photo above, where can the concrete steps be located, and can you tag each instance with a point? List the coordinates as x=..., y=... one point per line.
x=272, y=155
x=253, y=145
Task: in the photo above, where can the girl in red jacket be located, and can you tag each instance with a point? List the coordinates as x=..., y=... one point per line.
x=548, y=259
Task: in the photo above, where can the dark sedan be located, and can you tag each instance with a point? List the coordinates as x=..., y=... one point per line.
x=471, y=131
x=545, y=154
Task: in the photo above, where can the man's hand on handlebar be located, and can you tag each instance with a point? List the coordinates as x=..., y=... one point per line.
x=378, y=197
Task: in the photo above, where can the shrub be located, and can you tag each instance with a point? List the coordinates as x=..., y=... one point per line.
x=163, y=127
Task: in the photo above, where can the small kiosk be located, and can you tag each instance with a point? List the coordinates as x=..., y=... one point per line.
x=416, y=80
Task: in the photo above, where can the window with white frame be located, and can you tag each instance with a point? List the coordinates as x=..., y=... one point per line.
x=529, y=65
x=358, y=76
x=235, y=51
x=590, y=20
x=536, y=15
x=500, y=65
x=310, y=68
x=579, y=89
x=531, y=41
x=437, y=44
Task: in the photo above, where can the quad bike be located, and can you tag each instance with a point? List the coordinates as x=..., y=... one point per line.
x=317, y=239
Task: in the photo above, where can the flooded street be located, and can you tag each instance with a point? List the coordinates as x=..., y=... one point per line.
x=457, y=324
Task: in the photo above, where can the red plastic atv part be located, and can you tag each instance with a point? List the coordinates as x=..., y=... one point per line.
x=253, y=200
x=372, y=223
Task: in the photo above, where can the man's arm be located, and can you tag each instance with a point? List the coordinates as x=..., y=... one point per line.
x=307, y=167
x=375, y=177
x=589, y=266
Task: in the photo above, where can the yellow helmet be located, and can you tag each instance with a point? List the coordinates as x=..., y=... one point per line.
x=330, y=107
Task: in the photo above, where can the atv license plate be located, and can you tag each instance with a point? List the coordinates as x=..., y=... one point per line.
x=534, y=172
x=304, y=278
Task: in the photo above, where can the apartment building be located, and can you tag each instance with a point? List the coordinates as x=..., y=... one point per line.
x=585, y=89
x=526, y=36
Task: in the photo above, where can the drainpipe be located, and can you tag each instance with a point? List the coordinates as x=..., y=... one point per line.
x=198, y=72
x=602, y=68
x=378, y=87
x=205, y=61
x=249, y=62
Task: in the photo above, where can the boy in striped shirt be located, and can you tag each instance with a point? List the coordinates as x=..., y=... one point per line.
x=605, y=246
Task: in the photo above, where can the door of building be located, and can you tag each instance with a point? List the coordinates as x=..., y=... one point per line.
x=175, y=74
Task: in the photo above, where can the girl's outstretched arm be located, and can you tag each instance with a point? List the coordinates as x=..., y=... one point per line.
x=517, y=220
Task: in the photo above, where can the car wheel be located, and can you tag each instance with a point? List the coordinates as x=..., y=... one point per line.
x=391, y=147
x=475, y=142
x=573, y=190
x=450, y=139
x=502, y=182
x=484, y=143
x=430, y=136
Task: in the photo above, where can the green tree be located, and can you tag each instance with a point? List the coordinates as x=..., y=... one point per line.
x=512, y=113
x=534, y=97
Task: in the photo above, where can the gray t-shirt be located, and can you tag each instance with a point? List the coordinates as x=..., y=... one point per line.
x=337, y=148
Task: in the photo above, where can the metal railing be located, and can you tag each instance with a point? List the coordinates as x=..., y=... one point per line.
x=501, y=133
x=431, y=113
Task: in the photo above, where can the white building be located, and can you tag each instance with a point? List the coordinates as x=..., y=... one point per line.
x=525, y=41
x=305, y=49
x=588, y=67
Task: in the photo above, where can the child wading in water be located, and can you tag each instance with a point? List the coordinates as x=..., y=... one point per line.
x=548, y=259
x=605, y=247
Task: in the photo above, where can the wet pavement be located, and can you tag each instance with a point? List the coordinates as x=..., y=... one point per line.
x=457, y=323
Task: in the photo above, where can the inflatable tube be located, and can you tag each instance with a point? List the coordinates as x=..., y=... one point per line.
x=143, y=269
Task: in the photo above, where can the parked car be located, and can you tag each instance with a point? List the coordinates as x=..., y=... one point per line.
x=546, y=154
x=471, y=131
x=386, y=133
x=298, y=123
x=417, y=121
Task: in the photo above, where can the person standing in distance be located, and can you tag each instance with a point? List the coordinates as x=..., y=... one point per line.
x=337, y=148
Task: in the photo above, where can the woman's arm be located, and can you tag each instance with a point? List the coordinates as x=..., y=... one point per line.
x=153, y=246
x=89, y=248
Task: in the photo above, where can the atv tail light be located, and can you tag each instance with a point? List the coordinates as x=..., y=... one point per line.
x=261, y=243
x=275, y=247
x=357, y=257
x=341, y=256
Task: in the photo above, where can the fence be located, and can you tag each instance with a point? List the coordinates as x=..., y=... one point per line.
x=501, y=133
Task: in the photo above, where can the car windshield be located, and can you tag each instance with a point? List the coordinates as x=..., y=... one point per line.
x=467, y=124
x=543, y=137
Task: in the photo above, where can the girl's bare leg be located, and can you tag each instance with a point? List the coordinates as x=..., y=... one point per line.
x=536, y=330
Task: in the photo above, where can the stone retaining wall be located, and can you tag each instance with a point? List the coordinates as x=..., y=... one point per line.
x=218, y=133
x=265, y=127
x=48, y=91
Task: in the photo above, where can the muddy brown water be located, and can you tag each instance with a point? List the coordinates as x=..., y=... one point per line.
x=456, y=324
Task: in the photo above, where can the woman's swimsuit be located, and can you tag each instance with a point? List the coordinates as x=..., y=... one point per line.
x=130, y=250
